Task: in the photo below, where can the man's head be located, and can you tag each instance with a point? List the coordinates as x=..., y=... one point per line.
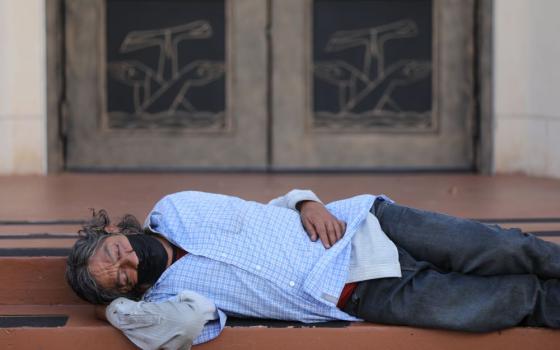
x=103, y=265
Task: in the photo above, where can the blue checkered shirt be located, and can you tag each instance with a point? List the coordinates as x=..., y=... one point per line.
x=252, y=259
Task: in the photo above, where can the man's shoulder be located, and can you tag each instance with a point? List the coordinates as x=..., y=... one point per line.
x=195, y=202
x=189, y=194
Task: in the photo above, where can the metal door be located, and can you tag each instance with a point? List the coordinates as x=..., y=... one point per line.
x=166, y=84
x=372, y=84
x=278, y=84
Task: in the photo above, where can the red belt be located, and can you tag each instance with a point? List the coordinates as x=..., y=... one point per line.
x=346, y=293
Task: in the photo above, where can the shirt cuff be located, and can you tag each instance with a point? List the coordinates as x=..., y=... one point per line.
x=295, y=196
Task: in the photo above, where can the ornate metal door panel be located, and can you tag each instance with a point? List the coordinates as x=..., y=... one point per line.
x=372, y=84
x=166, y=84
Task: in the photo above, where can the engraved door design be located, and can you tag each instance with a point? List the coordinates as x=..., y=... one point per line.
x=160, y=89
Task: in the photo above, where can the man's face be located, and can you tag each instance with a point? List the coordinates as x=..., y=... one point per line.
x=114, y=265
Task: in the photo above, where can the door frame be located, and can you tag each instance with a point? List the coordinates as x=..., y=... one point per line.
x=483, y=82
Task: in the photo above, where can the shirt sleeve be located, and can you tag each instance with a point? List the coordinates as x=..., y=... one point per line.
x=171, y=324
x=292, y=198
x=212, y=329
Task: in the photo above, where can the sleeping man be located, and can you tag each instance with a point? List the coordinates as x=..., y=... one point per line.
x=200, y=257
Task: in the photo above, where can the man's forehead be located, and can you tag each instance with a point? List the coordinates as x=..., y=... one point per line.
x=107, y=252
x=104, y=275
x=104, y=246
x=102, y=259
x=101, y=251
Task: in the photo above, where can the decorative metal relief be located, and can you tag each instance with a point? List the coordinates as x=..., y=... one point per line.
x=372, y=65
x=166, y=64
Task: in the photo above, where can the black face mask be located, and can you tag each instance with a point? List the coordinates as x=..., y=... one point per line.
x=152, y=257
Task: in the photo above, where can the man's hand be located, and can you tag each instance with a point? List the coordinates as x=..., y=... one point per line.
x=319, y=223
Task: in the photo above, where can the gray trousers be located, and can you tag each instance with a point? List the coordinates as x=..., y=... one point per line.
x=461, y=274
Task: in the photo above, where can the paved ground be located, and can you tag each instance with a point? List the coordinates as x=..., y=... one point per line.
x=68, y=196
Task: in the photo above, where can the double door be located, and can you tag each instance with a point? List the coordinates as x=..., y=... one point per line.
x=269, y=85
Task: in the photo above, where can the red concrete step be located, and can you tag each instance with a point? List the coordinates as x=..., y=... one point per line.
x=39, y=280
x=36, y=287
x=82, y=331
x=368, y=336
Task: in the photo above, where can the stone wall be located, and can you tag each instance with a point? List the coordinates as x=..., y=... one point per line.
x=22, y=87
x=526, y=87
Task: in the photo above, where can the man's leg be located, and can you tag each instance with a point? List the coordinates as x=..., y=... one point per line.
x=428, y=297
x=467, y=246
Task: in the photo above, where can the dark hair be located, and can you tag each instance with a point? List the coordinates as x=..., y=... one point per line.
x=92, y=234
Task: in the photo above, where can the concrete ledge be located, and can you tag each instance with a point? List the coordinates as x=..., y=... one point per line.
x=368, y=336
x=84, y=332
x=39, y=280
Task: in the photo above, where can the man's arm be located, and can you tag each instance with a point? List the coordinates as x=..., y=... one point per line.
x=316, y=219
x=171, y=324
